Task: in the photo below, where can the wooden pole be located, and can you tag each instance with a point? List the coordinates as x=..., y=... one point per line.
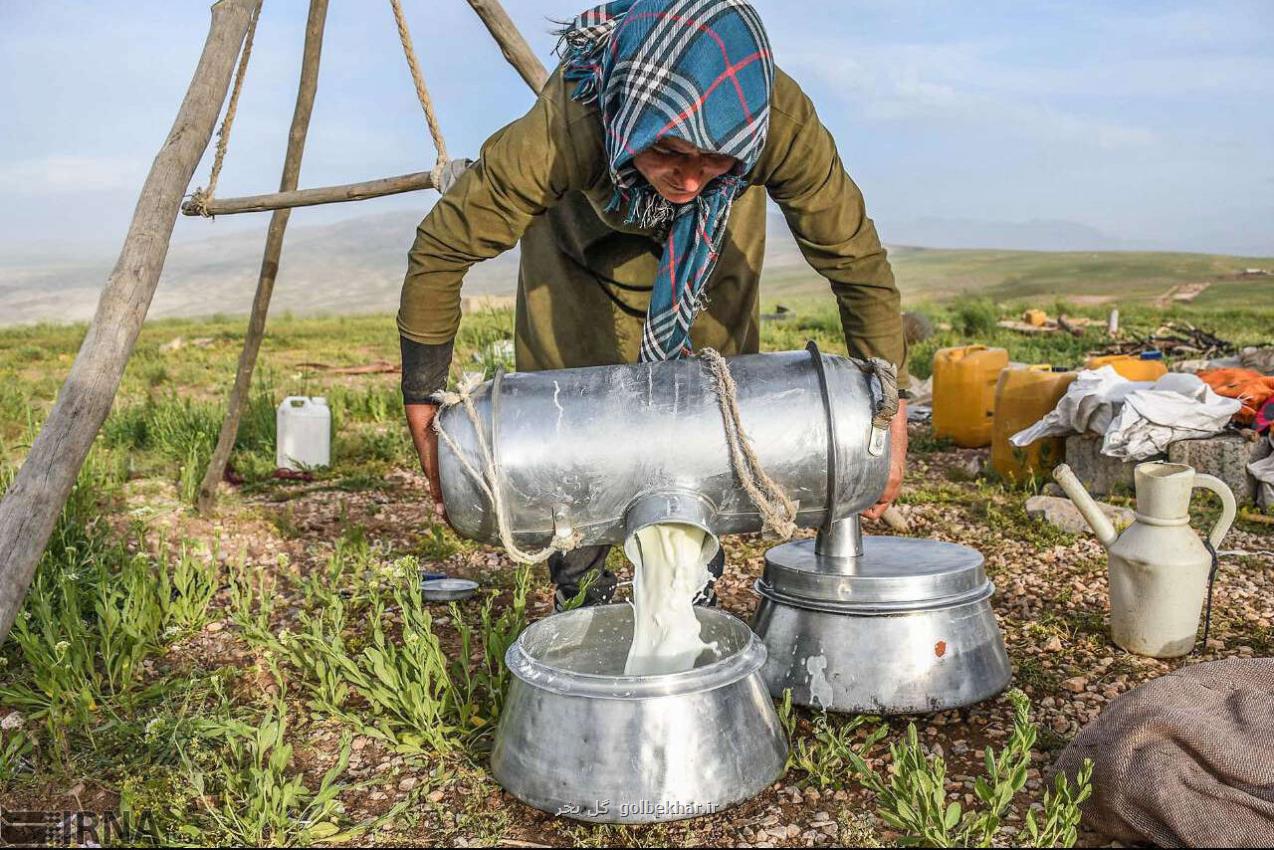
x=270, y=257
x=512, y=44
x=31, y=506
x=515, y=50
x=313, y=197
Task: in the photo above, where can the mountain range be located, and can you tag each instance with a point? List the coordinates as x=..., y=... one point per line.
x=356, y=265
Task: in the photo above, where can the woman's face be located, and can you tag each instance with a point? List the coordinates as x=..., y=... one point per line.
x=678, y=170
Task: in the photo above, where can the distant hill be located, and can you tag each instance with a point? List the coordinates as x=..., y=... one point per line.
x=357, y=265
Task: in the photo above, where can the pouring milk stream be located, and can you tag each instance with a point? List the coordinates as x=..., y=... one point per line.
x=671, y=571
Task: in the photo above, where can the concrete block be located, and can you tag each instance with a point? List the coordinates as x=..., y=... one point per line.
x=1226, y=456
x=1099, y=474
x=1063, y=514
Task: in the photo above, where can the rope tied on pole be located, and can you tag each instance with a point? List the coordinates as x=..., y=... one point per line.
x=488, y=478
x=422, y=93
x=202, y=196
x=778, y=511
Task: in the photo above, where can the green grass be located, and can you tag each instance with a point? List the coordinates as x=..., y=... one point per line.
x=1127, y=278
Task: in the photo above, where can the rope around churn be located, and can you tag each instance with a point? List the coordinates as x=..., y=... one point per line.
x=488, y=480
x=777, y=510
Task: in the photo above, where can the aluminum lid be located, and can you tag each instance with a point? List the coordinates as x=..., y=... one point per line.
x=447, y=589
x=893, y=574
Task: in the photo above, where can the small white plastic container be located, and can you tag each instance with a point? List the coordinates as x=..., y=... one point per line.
x=304, y=433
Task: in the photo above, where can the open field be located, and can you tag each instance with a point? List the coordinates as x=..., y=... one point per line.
x=269, y=675
x=1042, y=277
x=356, y=267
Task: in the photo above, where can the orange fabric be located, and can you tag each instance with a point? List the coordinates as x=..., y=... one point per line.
x=1251, y=388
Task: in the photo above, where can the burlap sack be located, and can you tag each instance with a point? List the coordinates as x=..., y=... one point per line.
x=1187, y=759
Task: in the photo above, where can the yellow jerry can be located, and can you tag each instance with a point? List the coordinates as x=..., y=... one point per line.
x=964, y=393
x=1130, y=366
x=1022, y=398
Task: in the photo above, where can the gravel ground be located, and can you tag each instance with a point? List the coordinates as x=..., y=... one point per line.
x=1051, y=601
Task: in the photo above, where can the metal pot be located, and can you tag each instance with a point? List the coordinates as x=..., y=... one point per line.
x=577, y=740
x=880, y=625
x=602, y=450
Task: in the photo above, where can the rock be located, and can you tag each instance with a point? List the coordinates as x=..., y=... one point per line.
x=1054, y=644
x=407, y=783
x=1226, y=456
x=1076, y=685
x=1099, y=474
x=1063, y=514
x=968, y=468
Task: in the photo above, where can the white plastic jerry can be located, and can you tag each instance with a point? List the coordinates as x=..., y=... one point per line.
x=304, y=433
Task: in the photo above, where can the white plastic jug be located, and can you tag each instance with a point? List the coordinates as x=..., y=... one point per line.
x=304, y=433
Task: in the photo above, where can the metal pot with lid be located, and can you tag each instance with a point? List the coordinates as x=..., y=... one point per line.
x=882, y=625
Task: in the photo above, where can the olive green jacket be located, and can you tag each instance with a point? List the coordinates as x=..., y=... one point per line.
x=585, y=275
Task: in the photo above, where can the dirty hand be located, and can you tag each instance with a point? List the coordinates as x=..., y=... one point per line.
x=897, y=462
x=420, y=421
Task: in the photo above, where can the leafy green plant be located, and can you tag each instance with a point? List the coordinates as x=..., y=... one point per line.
x=973, y=317
x=16, y=747
x=437, y=545
x=130, y=617
x=252, y=602
x=409, y=693
x=187, y=585
x=254, y=800
x=83, y=636
x=825, y=758
x=406, y=683
x=498, y=634
x=374, y=403
x=581, y=596
x=913, y=798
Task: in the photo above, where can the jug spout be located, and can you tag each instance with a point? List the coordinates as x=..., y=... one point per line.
x=1100, y=523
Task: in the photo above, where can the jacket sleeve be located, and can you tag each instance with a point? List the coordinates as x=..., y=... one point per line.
x=524, y=168
x=825, y=211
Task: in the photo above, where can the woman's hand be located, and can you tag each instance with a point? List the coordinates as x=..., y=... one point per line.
x=897, y=462
x=420, y=421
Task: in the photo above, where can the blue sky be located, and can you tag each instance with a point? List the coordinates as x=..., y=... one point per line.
x=1150, y=122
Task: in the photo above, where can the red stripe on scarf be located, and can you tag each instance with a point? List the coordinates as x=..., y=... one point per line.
x=728, y=72
x=711, y=33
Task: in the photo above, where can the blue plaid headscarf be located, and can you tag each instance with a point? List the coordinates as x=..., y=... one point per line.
x=696, y=70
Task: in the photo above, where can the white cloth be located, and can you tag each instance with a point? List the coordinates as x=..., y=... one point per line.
x=1089, y=405
x=1177, y=407
x=1138, y=418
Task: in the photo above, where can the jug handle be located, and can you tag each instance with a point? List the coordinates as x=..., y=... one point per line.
x=1228, y=507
